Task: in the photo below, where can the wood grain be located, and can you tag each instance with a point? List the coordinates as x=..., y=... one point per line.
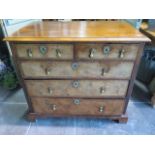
x=83, y=51
x=53, y=93
x=85, y=88
x=66, y=51
x=78, y=31
x=64, y=69
x=85, y=106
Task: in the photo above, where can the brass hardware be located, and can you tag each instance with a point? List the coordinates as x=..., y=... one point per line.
x=102, y=90
x=58, y=53
x=104, y=71
x=76, y=101
x=47, y=71
x=75, y=66
x=76, y=84
x=29, y=52
x=106, y=50
x=101, y=109
x=51, y=106
x=121, y=53
x=43, y=50
x=92, y=51
x=49, y=90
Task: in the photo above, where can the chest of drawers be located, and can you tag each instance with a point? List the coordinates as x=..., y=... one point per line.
x=77, y=68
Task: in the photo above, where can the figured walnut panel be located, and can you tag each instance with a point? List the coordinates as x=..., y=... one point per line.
x=82, y=31
x=84, y=88
x=100, y=107
x=66, y=51
x=113, y=69
x=130, y=51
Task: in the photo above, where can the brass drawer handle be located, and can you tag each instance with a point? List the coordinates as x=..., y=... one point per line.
x=49, y=90
x=104, y=71
x=106, y=50
x=76, y=101
x=91, y=53
x=48, y=71
x=43, y=50
x=52, y=107
x=101, y=109
x=58, y=53
x=76, y=84
x=29, y=52
x=102, y=90
x=121, y=53
x=75, y=66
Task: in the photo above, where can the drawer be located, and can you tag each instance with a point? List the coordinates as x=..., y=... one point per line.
x=55, y=69
x=55, y=51
x=98, y=107
x=107, y=51
x=77, y=88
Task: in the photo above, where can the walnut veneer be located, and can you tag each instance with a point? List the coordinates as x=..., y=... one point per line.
x=77, y=68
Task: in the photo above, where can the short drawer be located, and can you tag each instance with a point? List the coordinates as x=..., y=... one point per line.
x=77, y=88
x=98, y=107
x=107, y=51
x=55, y=69
x=55, y=51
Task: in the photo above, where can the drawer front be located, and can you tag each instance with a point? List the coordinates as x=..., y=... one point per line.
x=107, y=51
x=117, y=69
x=56, y=51
x=100, y=107
x=71, y=88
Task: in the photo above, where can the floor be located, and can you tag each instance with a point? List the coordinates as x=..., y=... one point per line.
x=13, y=106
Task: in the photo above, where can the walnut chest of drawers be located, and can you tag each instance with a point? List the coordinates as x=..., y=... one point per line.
x=77, y=68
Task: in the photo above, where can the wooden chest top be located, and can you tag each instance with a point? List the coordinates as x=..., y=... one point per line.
x=78, y=31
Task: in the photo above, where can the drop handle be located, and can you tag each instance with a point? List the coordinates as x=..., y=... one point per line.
x=53, y=107
x=104, y=71
x=91, y=53
x=101, y=109
x=29, y=52
x=49, y=90
x=121, y=53
x=102, y=90
x=58, y=53
x=47, y=71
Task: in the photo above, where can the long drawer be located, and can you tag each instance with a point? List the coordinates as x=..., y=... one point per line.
x=107, y=51
x=76, y=88
x=55, y=69
x=100, y=107
x=56, y=51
